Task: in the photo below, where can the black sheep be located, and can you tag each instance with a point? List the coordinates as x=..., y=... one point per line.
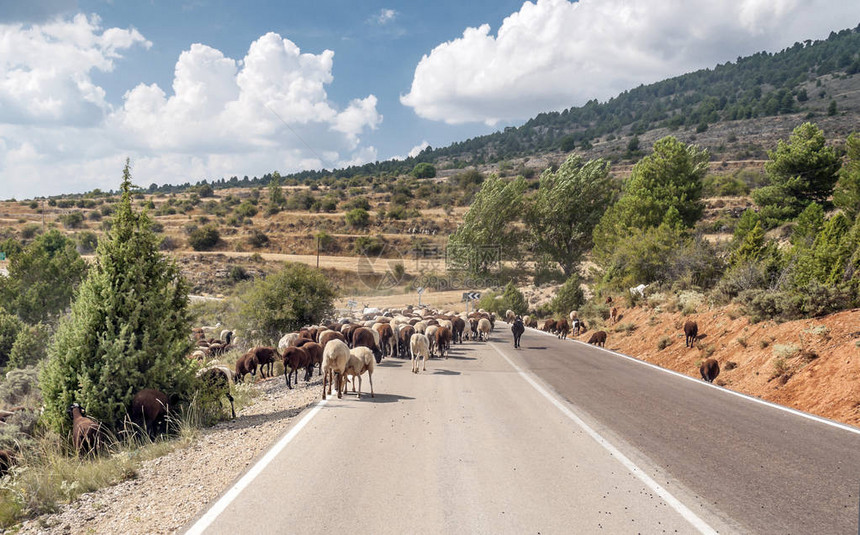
x=517, y=329
x=710, y=369
x=691, y=331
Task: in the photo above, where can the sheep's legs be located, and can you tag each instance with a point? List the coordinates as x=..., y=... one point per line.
x=370, y=377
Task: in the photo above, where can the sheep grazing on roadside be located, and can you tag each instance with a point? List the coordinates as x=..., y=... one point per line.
x=296, y=358
x=598, y=339
x=484, y=328
x=710, y=369
x=335, y=359
x=578, y=327
x=218, y=379
x=613, y=315
x=87, y=434
x=419, y=346
x=361, y=360
x=530, y=322
x=691, y=332
x=510, y=316
x=149, y=408
x=549, y=326
x=517, y=328
x=266, y=357
x=246, y=364
x=562, y=328
x=573, y=315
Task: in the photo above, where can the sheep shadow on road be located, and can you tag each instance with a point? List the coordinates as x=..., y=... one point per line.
x=445, y=372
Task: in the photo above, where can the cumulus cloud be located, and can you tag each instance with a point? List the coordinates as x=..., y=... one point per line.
x=221, y=117
x=46, y=70
x=554, y=54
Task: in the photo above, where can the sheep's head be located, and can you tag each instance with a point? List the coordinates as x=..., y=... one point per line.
x=72, y=408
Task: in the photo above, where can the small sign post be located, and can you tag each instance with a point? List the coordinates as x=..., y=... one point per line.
x=468, y=297
x=420, y=291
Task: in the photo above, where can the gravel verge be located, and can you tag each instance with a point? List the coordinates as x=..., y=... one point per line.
x=171, y=490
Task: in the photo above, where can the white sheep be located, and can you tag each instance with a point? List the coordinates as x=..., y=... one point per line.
x=420, y=327
x=360, y=360
x=510, y=315
x=430, y=333
x=484, y=328
x=526, y=319
x=448, y=324
x=573, y=315
x=286, y=341
x=419, y=346
x=335, y=359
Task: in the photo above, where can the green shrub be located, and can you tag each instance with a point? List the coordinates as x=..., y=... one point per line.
x=29, y=231
x=204, y=238
x=72, y=220
x=369, y=245
x=424, y=170
x=258, y=238
x=357, y=218
x=87, y=241
x=569, y=297
x=284, y=301
x=246, y=209
x=30, y=347
x=664, y=342
x=10, y=327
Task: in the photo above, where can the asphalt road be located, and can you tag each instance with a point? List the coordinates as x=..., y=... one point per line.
x=555, y=437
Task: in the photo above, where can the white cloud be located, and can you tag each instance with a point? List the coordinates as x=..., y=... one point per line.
x=416, y=150
x=45, y=70
x=554, y=54
x=384, y=16
x=222, y=116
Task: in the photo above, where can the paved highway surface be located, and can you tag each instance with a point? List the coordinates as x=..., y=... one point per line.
x=556, y=437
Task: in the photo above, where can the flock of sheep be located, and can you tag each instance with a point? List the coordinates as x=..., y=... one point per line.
x=343, y=351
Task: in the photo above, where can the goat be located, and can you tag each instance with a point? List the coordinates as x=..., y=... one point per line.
x=517, y=329
x=598, y=339
x=710, y=369
x=86, y=432
x=218, y=379
x=613, y=315
x=691, y=332
x=149, y=411
x=578, y=327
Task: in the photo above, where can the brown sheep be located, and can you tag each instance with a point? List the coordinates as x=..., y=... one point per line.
x=549, y=326
x=598, y=339
x=266, y=357
x=459, y=325
x=710, y=369
x=562, y=328
x=315, y=351
x=296, y=358
x=443, y=341
x=363, y=337
x=385, y=336
x=87, y=435
x=325, y=336
x=405, y=334
x=613, y=315
x=149, y=411
x=691, y=332
x=245, y=364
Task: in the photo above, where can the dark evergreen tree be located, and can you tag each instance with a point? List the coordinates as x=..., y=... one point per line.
x=128, y=329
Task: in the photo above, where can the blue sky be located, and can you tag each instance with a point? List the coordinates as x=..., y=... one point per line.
x=213, y=88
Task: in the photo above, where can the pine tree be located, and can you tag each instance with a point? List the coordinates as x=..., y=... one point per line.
x=128, y=328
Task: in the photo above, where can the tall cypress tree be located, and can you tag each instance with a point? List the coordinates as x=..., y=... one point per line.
x=128, y=329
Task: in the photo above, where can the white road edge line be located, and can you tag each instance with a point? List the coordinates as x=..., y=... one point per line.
x=674, y=503
x=741, y=395
x=219, y=506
